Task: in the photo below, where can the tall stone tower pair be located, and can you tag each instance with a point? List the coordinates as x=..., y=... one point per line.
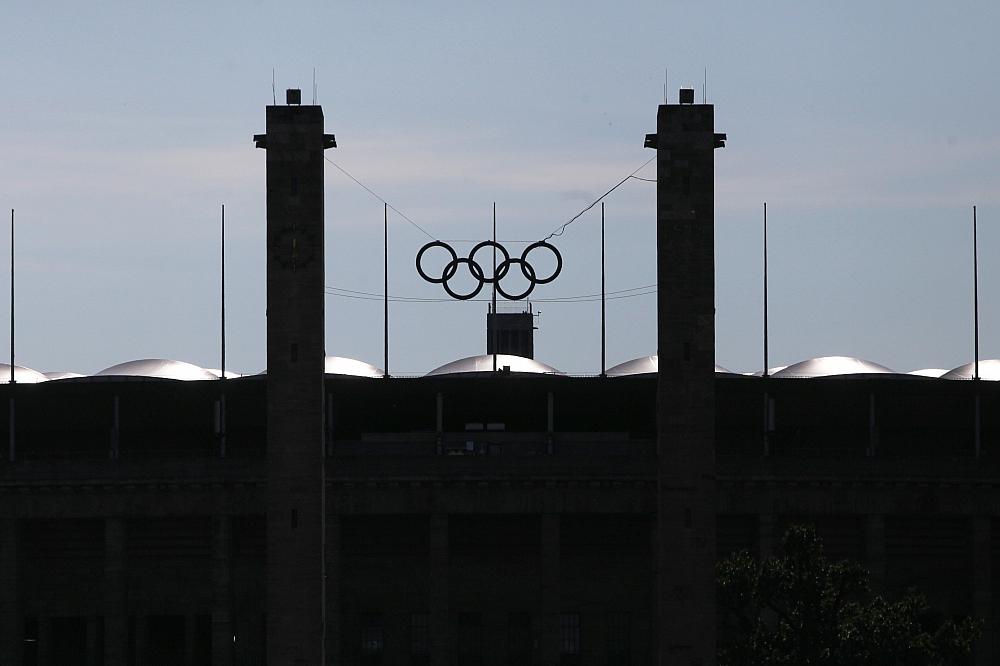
x=685, y=141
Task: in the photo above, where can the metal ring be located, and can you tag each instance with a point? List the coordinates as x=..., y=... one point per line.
x=525, y=269
x=535, y=278
x=444, y=276
x=474, y=268
x=505, y=263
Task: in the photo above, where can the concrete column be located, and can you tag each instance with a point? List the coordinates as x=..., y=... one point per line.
x=190, y=633
x=550, y=603
x=115, y=611
x=875, y=550
x=685, y=141
x=222, y=614
x=11, y=622
x=873, y=434
x=333, y=589
x=767, y=539
x=649, y=642
x=91, y=640
x=982, y=586
x=44, y=640
x=141, y=636
x=550, y=427
x=296, y=487
x=495, y=631
x=441, y=643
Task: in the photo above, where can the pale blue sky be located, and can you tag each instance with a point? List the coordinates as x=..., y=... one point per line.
x=870, y=129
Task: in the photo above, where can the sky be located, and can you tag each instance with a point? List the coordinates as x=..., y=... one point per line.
x=870, y=129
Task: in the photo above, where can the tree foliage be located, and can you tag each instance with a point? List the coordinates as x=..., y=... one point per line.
x=801, y=608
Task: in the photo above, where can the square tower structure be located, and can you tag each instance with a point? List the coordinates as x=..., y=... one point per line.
x=685, y=141
x=296, y=506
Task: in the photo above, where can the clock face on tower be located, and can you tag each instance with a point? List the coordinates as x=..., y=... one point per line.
x=293, y=247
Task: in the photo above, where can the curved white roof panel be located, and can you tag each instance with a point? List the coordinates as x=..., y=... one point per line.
x=928, y=372
x=833, y=366
x=647, y=365
x=770, y=371
x=989, y=370
x=158, y=368
x=22, y=375
x=229, y=373
x=644, y=365
x=484, y=363
x=62, y=375
x=340, y=365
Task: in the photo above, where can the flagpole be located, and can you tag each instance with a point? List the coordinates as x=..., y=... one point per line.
x=385, y=288
x=496, y=321
x=603, y=303
x=222, y=296
x=975, y=291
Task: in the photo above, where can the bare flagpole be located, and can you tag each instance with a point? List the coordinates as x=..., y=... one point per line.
x=975, y=291
x=385, y=288
x=11, y=446
x=767, y=397
x=221, y=414
x=975, y=314
x=765, y=292
x=222, y=296
x=495, y=320
x=603, y=303
x=12, y=380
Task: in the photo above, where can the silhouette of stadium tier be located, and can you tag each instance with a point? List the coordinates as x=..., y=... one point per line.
x=323, y=513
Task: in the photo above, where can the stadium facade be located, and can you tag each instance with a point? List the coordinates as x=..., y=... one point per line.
x=321, y=513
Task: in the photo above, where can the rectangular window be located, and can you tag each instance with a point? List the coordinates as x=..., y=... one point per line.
x=470, y=639
x=519, y=639
x=30, y=650
x=372, y=639
x=619, y=639
x=420, y=638
x=569, y=634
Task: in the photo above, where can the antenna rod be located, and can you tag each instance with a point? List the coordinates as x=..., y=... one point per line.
x=12, y=380
x=11, y=445
x=222, y=295
x=975, y=290
x=765, y=290
x=603, y=303
x=767, y=397
x=385, y=290
x=495, y=319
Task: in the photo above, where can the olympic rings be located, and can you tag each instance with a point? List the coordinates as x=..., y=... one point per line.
x=444, y=276
x=501, y=267
x=524, y=264
x=529, y=272
x=476, y=270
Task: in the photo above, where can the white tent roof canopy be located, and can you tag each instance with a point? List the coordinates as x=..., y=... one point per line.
x=22, y=375
x=989, y=370
x=157, y=368
x=484, y=363
x=646, y=365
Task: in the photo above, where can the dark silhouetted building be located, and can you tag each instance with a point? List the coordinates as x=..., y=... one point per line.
x=153, y=514
x=511, y=333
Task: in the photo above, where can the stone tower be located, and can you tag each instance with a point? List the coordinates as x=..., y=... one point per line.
x=295, y=362
x=685, y=141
